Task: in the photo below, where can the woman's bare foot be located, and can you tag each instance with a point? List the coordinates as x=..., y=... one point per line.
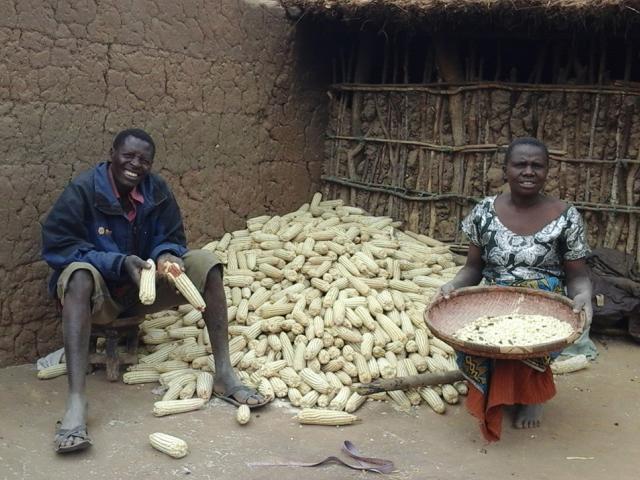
x=528, y=416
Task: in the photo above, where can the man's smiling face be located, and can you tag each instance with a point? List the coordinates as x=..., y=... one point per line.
x=130, y=163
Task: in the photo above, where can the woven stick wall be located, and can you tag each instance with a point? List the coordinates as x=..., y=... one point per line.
x=426, y=152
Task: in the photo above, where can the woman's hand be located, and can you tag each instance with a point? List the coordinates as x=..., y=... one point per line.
x=470, y=274
x=446, y=289
x=579, y=287
x=582, y=302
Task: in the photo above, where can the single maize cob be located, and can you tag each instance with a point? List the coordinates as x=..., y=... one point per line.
x=243, y=414
x=334, y=365
x=156, y=337
x=310, y=398
x=188, y=390
x=398, y=300
x=313, y=348
x=186, y=287
x=390, y=328
x=310, y=416
x=400, y=398
x=364, y=375
x=373, y=368
x=377, y=283
x=445, y=347
x=184, y=332
x=344, y=377
x=192, y=317
x=433, y=399
x=419, y=362
x=204, y=385
x=374, y=306
x=450, y=394
x=166, y=378
x=271, y=369
x=359, y=285
x=366, y=346
x=176, y=387
x=461, y=387
x=422, y=340
x=572, y=364
x=427, y=282
x=348, y=335
x=138, y=367
x=279, y=387
x=266, y=389
x=387, y=370
x=169, y=365
x=295, y=397
x=159, y=355
x=168, y=444
x=60, y=369
x=268, y=311
x=147, y=292
x=159, y=322
x=315, y=307
x=315, y=380
x=340, y=400
x=324, y=400
x=193, y=352
x=271, y=271
x=355, y=401
x=259, y=297
x=353, y=302
x=136, y=377
x=334, y=381
x=171, y=407
x=238, y=280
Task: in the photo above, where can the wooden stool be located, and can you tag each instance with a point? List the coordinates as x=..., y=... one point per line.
x=122, y=328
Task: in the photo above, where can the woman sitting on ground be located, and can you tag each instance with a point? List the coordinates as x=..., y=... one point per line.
x=523, y=239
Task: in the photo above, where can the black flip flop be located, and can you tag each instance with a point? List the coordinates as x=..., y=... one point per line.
x=228, y=397
x=63, y=434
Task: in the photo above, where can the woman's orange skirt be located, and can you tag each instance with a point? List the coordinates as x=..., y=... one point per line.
x=512, y=382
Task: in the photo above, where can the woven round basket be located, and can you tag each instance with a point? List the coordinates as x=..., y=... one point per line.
x=445, y=316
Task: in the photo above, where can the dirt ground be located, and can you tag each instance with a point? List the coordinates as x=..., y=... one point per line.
x=591, y=431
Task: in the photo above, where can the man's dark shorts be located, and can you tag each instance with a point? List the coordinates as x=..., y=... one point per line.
x=106, y=306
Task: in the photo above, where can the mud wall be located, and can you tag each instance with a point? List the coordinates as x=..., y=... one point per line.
x=223, y=86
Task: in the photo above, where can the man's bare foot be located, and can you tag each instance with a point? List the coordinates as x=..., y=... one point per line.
x=528, y=416
x=230, y=388
x=75, y=419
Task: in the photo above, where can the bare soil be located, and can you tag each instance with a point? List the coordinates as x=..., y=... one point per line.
x=591, y=430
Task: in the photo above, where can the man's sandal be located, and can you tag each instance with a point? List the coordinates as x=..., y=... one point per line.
x=229, y=396
x=63, y=434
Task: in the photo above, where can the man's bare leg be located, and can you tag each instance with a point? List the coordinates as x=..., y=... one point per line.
x=76, y=324
x=215, y=317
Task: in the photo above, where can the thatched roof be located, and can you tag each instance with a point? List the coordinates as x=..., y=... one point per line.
x=557, y=10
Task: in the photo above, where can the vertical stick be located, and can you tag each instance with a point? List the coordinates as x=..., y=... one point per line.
x=363, y=61
x=449, y=66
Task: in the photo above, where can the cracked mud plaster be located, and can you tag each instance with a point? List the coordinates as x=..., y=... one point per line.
x=238, y=127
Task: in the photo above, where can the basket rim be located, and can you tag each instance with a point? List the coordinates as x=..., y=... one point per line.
x=505, y=352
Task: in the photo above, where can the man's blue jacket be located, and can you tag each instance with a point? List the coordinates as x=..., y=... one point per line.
x=88, y=224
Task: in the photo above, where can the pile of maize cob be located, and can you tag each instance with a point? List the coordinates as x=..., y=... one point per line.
x=318, y=299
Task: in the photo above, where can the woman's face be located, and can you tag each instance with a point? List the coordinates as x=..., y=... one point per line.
x=526, y=170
